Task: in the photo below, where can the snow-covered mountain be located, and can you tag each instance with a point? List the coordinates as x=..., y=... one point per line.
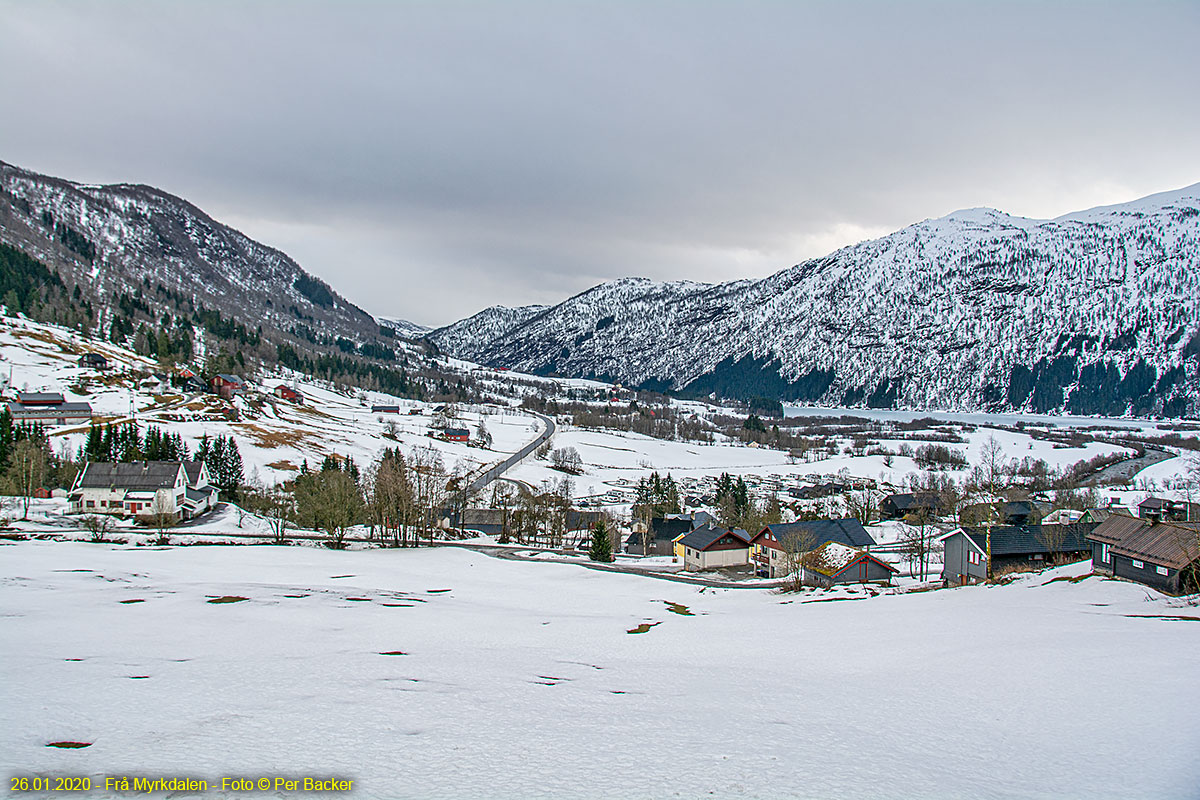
x=1093, y=312
x=405, y=328
x=127, y=238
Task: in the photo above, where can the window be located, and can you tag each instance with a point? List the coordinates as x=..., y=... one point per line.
x=1162, y=571
x=1105, y=557
x=1138, y=564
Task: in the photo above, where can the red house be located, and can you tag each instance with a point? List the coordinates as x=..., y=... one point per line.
x=227, y=385
x=457, y=434
x=284, y=392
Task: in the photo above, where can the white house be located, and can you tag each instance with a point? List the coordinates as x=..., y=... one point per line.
x=181, y=488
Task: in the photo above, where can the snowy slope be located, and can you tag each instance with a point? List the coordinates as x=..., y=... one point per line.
x=274, y=437
x=522, y=681
x=1096, y=312
x=142, y=234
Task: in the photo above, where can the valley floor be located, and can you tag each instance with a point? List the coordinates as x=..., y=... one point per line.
x=445, y=673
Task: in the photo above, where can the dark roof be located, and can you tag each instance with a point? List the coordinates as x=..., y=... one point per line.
x=703, y=538
x=17, y=409
x=40, y=398
x=849, y=532
x=457, y=432
x=1014, y=540
x=192, y=468
x=904, y=502
x=473, y=517
x=228, y=378
x=93, y=358
x=667, y=529
x=197, y=495
x=578, y=519
x=138, y=475
x=1169, y=544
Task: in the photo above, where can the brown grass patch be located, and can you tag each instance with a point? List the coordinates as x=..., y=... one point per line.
x=69, y=745
x=229, y=598
x=284, y=464
x=270, y=440
x=645, y=626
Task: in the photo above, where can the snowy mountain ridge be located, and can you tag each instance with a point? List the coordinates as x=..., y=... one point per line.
x=131, y=238
x=1094, y=312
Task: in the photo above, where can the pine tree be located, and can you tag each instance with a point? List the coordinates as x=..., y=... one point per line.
x=601, y=546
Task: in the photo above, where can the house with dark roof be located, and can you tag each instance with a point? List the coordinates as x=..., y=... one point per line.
x=774, y=549
x=456, y=434
x=179, y=488
x=1161, y=554
x=93, y=361
x=1094, y=516
x=897, y=506
x=833, y=563
x=713, y=548
x=663, y=534
x=1169, y=510
x=386, y=408
x=965, y=550
x=48, y=408
x=488, y=521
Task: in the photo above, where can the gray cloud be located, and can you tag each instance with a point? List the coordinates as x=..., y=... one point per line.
x=432, y=158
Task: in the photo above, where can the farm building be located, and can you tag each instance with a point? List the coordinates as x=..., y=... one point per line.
x=227, y=385
x=289, y=393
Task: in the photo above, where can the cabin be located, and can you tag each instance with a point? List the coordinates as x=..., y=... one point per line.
x=456, y=434
x=385, y=409
x=774, y=550
x=181, y=489
x=898, y=506
x=289, y=393
x=488, y=521
x=93, y=361
x=833, y=563
x=1011, y=546
x=714, y=548
x=1161, y=554
x=227, y=386
x=191, y=383
x=48, y=408
x=1169, y=510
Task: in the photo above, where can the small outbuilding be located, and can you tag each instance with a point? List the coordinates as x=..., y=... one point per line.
x=834, y=563
x=289, y=393
x=93, y=361
x=227, y=386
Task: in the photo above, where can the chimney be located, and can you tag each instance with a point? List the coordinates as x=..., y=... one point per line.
x=1154, y=517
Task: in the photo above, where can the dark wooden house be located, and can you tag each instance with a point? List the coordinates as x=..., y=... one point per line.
x=1169, y=510
x=898, y=506
x=1162, y=555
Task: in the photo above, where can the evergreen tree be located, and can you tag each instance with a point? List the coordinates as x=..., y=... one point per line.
x=601, y=546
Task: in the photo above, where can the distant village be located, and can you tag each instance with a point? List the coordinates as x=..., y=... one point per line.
x=1156, y=544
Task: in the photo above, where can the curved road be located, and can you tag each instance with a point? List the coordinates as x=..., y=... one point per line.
x=497, y=470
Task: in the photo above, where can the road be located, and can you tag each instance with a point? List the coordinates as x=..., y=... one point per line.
x=497, y=470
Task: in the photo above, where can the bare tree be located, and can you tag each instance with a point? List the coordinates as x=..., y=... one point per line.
x=794, y=545
x=567, y=459
x=26, y=472
x=992, y=464
x=862, y=504
x=98, y=525
x=1052, y=538
x=429, y=484
x=162, y=515
x=329, y=501
x=917, y=534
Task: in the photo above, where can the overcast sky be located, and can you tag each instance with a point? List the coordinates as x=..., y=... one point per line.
x=429, y=159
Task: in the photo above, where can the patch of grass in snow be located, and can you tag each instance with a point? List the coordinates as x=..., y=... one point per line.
x=69, y=745
x=272, y=440
x=677, y=608
x=394, y=653
x=134, y=600
x=1069, y=578
x=645, y=626
x=284, y=465
x=229, y=598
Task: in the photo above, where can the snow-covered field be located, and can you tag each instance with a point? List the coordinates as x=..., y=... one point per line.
x=522, y=679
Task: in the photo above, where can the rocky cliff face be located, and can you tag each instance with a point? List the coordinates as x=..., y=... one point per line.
x=1096, y=312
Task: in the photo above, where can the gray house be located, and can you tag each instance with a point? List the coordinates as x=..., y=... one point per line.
x=1162, y=555
x=772, y=549
x=966, y=549
x=964, y=560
